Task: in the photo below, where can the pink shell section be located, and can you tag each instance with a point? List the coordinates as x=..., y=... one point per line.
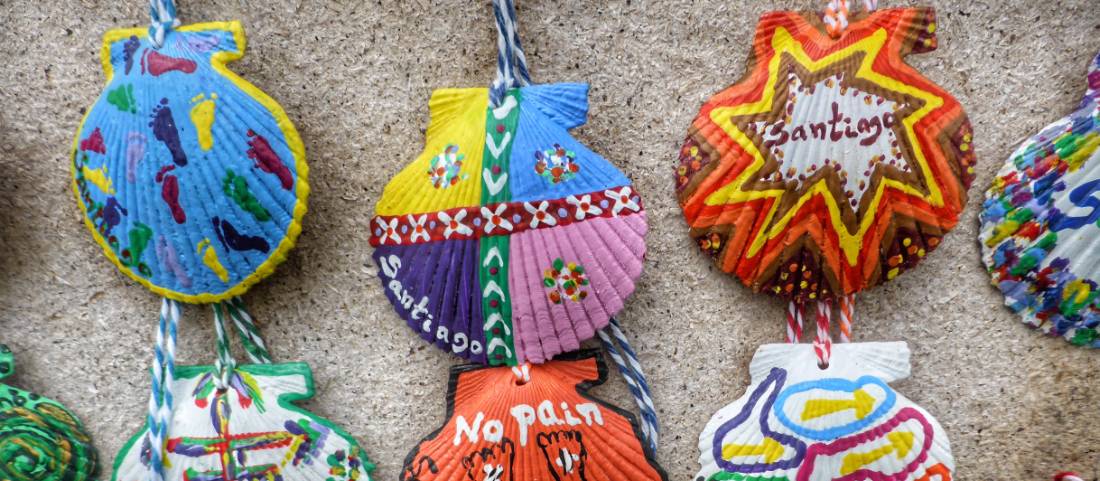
x=612, y=251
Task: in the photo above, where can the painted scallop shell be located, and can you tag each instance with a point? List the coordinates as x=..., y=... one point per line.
x=1041, y=225
x=799, y=422
x=191, y=179
x=507, y=241
x=250, y=431
x=40, y=440
x=537, y=422
x=832, y=166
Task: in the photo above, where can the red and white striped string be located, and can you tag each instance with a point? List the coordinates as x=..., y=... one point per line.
x=794, y=323
x=1067, y=476
x=847, y=313
x=836, y=15
x=823, y=341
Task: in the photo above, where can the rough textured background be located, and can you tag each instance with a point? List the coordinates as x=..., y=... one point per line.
x=356, y=77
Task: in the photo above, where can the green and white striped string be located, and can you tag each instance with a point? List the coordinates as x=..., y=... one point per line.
x=160, y=400
x=247, y=332
x=163, y=19
x=631, y=370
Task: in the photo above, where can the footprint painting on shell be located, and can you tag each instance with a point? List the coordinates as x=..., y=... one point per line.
x=207, y=165
x=798, y=422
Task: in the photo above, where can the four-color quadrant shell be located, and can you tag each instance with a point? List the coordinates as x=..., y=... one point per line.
x=191, y=179
x=832, y=166
x=507, y=241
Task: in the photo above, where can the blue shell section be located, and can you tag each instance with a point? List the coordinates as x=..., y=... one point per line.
x=547, y=113
x=190, y=214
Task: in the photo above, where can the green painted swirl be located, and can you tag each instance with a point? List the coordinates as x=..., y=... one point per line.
x=40, y=440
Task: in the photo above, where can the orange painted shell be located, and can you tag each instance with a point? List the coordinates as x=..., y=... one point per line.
x=832, y=165
x=536, y=422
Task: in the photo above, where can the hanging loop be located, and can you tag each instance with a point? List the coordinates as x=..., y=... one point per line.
x=511, y=61
x=225, y=363
x=847, y=315
x=794, y=322
x=823, y=342
x=522, y=373
x=631, y=370
x=836, y=15
x=163, y=19
x=159, y=417
x=247, y=331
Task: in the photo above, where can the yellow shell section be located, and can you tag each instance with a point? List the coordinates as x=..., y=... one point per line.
x=458, y=118
x=294, y=143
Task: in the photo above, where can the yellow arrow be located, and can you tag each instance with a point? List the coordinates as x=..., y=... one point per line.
x=900, y=444
x=770, y=449
x=861, y=402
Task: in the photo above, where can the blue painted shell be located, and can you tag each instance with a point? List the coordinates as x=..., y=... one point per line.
x=191, y=179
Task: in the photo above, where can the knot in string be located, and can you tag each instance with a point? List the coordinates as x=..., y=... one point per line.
x=522, y=373
x=836, y=15
x=823, y=341
x=163, y=15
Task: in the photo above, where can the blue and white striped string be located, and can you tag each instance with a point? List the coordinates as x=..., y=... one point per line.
x=631, y=370
x=160, y=400
x=163, y=15
x=511, y=61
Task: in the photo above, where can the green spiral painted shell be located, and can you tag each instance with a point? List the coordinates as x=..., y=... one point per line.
x=40, y=440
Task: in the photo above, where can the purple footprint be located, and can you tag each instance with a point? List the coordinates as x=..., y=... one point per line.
x=128, y=50
x=231, y=239
x=164, y=129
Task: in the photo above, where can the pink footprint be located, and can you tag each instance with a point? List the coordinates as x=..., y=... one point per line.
x=170, y=192
x=135, y=151
x=267, y=160
x=159, y=64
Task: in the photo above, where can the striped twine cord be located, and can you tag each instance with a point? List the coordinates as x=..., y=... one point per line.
x=847, y=314
x=1067, y=476
x=163, y=15
x=823, y=342
x=225, y=363
x=631, y=370
x=160, y=399
x=794, y=323
x=510, y=56
x=836, y=17
x=520, y=66
x=248, y=332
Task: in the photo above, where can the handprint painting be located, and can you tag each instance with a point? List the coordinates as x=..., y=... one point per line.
x=535, y=422
x=1041, y=224
x=191, y=179
x=507, y=241
x=248, y=431
x=832, y=166
x=798, y=422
